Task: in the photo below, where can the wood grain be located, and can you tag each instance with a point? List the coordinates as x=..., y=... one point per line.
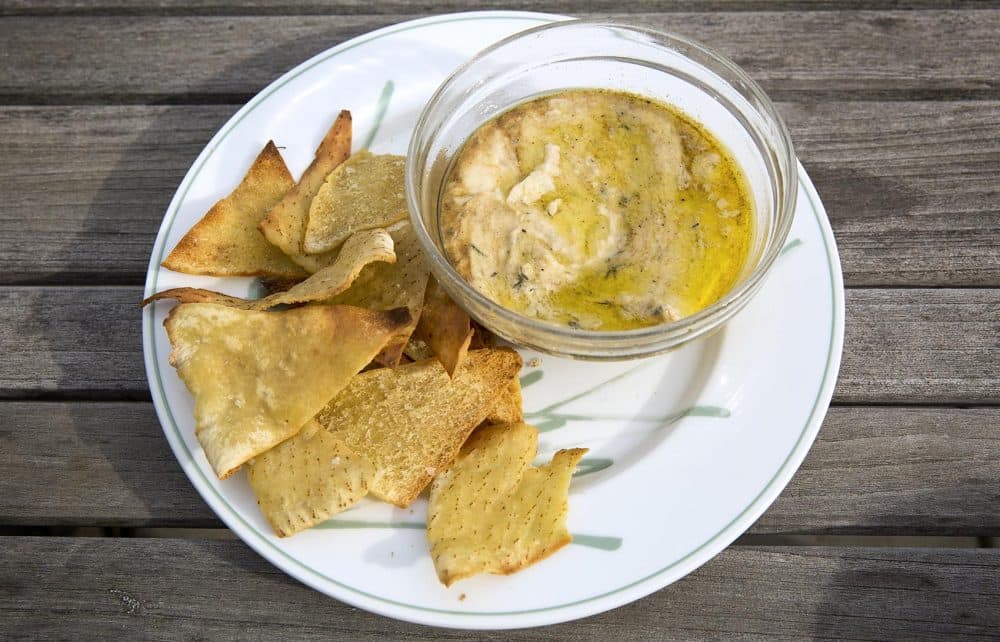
x=895, y=114
x=902, y=346
x=92, y=464
x=82, y=342
x=885, y=470
x=425, y=7
x=872, y=471
x=78, y=587
x=86, y=188
x=910, y=187
x=943, y=343
x=198, y=58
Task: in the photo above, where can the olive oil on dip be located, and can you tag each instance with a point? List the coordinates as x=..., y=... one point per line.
x=597, y=209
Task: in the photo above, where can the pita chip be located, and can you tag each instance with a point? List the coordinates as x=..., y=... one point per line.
x=411, y=421
x=365, y=192
x=444, y=327
x=307, y=479
x=382, y=286
x=285, y=224
x=492, y=511
x=226, y=241
x=258, y=377
x=359, y=250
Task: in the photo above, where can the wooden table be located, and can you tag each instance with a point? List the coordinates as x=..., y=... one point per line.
x=886, y=531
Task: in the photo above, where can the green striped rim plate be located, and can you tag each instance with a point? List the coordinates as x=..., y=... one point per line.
x=686, y=450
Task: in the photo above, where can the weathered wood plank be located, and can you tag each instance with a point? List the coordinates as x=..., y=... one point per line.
x=83, y=342
x=143, y=59
x=943, y=343
x=90, y=589
x=902, y=346
x=423, y=7
x=910, y=187
x=872, y=471
x=901, y=471
x=87, y=187
x=92, y=464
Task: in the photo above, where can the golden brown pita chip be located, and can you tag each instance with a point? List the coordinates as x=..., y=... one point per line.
x=363, y=193
x=381, y=286
x=509, y=405
x=226, y=241
x=444, y=327
x=198, y=295
x=285, y=224
x=307, y=479
x=411, y=421
x=361, y=249
x=257, y=377
x=492, y=511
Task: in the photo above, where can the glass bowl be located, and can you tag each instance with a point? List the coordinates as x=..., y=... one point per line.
x=605, y=55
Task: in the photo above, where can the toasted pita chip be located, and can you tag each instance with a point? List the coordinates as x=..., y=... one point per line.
x=444, y=327
x=509, y=405
x=363, y=193
x=198, y=295
x=412, y=421
x=359, y=250
x=257, y=377
x=492, y=511
x=226, y=241
x=285, y=224
x=307, y=479
x=381, y=286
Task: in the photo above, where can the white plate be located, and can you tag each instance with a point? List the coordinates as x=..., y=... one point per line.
x=686, y=450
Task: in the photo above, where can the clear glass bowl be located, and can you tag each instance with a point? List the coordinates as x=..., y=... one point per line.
x=605, y=55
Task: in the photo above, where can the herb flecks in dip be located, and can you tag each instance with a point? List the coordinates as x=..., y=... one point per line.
x=598, y=210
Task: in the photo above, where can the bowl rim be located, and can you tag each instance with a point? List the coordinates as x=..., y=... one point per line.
x=694, y=324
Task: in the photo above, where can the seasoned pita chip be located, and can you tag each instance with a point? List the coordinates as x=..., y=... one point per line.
x=492, y=511
x=509, y=405
x=285, y=224
x=226, y=241
x=307, y=479
x=444, y=327
x=412, y=421
x=363, y=193
x=359, y=250
x=257, y=377
x=362, y=249
x=198, y=295
x=381, y=286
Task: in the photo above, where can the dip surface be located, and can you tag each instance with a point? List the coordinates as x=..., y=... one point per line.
x=597, y=209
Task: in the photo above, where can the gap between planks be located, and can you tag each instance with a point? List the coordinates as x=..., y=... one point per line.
x=181, y=8
x=194, y=99
x=747, y=539
x=186, y=589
